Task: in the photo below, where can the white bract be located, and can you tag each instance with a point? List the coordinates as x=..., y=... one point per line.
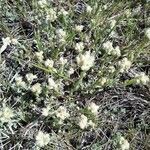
x=83, y=122
x=79, y=46
x=42, y=139
x=86, y=60
x=36, y=88
x=93, y=108
x=62, y=113
x=30, y=77
x=124, y=144
x=6, y=114
x=124, y=64
x=147, y=32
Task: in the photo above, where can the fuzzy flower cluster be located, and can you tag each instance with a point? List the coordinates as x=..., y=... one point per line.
x=51, y=15
x=86, y=60
x=42, y=139
x=142, y=78
x=84, y=122
x=93, y=108
x=62, y=113
x=6, y=114
x=124, y=64
x=110, y=50
x=124, y=144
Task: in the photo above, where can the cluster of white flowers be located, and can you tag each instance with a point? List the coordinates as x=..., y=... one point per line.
x=39, y=56
x=93, y=108
x=84, y=123
x=42, y=3
x=61, y=34
x=124, y=64
x=86, y=60
x=6, y=42
x=45, y=111
x=20, y=82
x=62, y=113
x=42, y=139
x=30, y=77
x=88, y=8
x=70, y=71
x=49, y=63
x=52, y=84
x=108, y=47
x=124, y=144
x=79, y=28
x=79, y=46
x=36, y=88
x=147, y=32
x=102, y=81
x=51, y=15
x=63, y=12
x=111, y=69
x=62, y=61
x=6, y=114
x=142, y=78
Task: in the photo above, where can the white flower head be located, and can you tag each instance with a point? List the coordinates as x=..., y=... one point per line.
x=63, y=12
x=79, y=46
x=20, y=82
x=108, y=47
x=93, y=108
x=70, y=71
x=42, y=3
x=30, y=77
x=86, y=60
x=49, y=63
x=62, y=113
x=51, y=15
x=91, y=123
x=6, y=114
x=52, y=84
x=42, y=139
x=62, y=61
x=36, y=88
x=39, y=55
x=147, y=32
x=124, y=64
x=111, y=69
x=124, y=144
x=116, y=51
x=83, y=122
x=103, y=80
x=61, y=34
x=45, y=111
x=88, y=8
x=142, y=78
x=79, y=28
